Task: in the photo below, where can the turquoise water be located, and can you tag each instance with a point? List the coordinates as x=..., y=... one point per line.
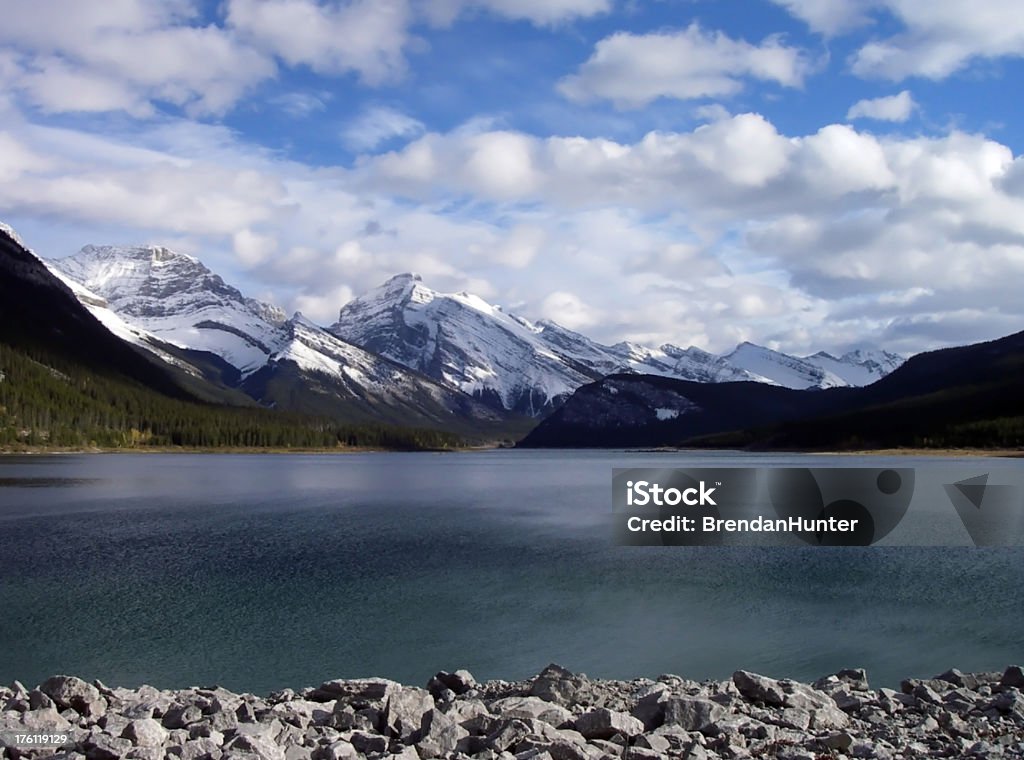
x=264, y=571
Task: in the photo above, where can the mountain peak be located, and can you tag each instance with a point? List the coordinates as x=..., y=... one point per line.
x=403, y=278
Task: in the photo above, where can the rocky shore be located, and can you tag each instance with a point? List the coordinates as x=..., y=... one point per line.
x=558, y=715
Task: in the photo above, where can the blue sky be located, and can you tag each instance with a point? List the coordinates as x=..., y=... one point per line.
x=807, y=174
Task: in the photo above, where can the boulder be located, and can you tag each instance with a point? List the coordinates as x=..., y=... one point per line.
x=440, y=735
x=691, y=713
x=69, y=691
x=1013, y=677
x=603, y=723
x=531, y=707
x=145, y=732
x=556, y=684
x=404, y=711
x=458, y=682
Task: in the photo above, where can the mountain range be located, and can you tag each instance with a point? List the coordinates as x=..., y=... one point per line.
x=397, y=348
x=143, y=344
x=963, y=396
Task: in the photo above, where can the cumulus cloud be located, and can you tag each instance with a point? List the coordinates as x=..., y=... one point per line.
x=126, y=55
x=368, y=37
x=540, y=12
x=378, y=125
x=568, y=309
x=253, y=248
x=631, y=70
x=897, y=107
x=941, y=38
x=937, y=38
x=830, y=17
x=729, y=231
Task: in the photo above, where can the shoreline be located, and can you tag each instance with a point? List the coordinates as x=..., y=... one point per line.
x=911, y=452
x=556, y=715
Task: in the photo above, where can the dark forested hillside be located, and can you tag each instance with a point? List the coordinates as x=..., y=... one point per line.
x=46, y=400
x=66, y=381
x=969, y=396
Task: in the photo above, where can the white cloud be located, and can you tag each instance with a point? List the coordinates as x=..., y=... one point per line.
x=368, y=37
x=540, y=12
x=830, y=17
x=938, y=38
x=378, y=125
x=569, y=310
x=252, y=248
x=300, y=105
x=897, y=107
x=727, y=232
x=125, y=55
x=632, y=70
x=520, y=246
x=942, y=37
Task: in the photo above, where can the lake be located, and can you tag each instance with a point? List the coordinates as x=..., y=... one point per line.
x=264, y=571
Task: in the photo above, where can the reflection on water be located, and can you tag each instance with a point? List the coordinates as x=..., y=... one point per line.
x=45, y=482
x=264, y=571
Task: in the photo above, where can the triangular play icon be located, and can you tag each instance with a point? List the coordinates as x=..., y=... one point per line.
x=973, y=489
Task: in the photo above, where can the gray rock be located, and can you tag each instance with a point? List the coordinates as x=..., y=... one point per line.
x=367, y=742
x=440, y=735
x=650, y=708
x=145, y=732
x=458, y=682
x=197, y=749
x=644, y=753
x=180, y=716
x=69, y=691
x=691, y=713
x=556, y=684
x=145, y=753
x=404, y=711
x=603, y=723
x=259, y=745
x=654, y=742
x=370, y=689
x=531, y=707
x=43, y=720
x=758, y=688
x=103, y=747
x=510, y=733
x=1013, y=677
x=338, y=750
x=841, y=741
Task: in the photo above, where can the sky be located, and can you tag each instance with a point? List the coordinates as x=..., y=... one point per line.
x=804, y=174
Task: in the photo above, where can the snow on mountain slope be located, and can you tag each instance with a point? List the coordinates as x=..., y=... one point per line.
x=98, y=307
x=860, y=367
x=358, y=376
x=160, y=295
x=781, y=369
x=468, y=344
x=175, y=298
x=475, y=347
x=150, y=294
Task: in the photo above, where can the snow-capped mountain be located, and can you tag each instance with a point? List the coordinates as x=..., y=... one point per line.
x=476, y=347
x=468, y=344
x=175, y=298
x=151, y=295
x=397, y=342
x=857, y=368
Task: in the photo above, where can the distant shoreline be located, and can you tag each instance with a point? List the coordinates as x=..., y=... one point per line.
x=944, y=452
